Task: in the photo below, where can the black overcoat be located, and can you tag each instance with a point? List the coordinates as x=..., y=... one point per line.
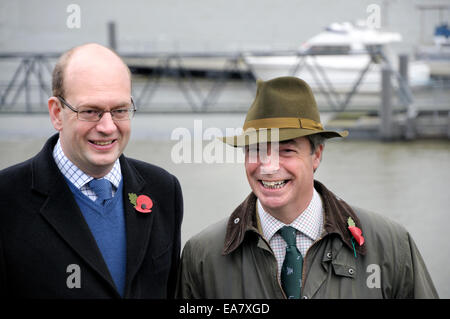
x=43, y=234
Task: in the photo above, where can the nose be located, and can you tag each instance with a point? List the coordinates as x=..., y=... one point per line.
x=106, y=124
x=270, y=163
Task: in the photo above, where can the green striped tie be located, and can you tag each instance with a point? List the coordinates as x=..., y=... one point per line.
x=291, y=272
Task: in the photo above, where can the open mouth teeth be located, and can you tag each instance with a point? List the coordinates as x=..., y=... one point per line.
x=102, y=143
x=274, y=185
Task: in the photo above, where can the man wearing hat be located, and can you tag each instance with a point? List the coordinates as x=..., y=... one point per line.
x=292, y=237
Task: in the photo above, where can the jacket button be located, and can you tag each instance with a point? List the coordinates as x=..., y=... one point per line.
x=351, y=271
x=236, y=220
x=329, y=255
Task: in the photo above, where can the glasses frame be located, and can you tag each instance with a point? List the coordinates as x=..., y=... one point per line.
x=131, y=112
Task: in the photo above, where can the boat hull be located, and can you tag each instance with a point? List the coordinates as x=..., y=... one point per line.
x=339, y=73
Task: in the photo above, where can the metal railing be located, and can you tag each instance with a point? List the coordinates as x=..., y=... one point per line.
x=30, y=82
x=21, y=84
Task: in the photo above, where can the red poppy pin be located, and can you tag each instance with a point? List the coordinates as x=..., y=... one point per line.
x=142, y=203
x=355, y=231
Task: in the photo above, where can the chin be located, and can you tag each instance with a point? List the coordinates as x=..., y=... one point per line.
x=104, y=161
x=271, y=203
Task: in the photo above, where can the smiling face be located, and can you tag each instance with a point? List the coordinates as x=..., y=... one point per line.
x=94, y=78
x=284, y=183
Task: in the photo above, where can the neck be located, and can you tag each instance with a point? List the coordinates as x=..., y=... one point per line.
x=98, y=173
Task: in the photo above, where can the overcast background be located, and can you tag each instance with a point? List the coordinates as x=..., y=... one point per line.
x=196, y=25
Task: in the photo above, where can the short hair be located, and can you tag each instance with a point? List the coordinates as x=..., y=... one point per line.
x=315, y=140
x=58, y=73
x=60, y=68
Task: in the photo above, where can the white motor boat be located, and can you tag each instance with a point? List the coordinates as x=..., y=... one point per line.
x=437, y=57
x=337, y=57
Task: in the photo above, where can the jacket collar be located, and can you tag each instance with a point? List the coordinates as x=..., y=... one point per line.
x=138, y=225
x=336, y=214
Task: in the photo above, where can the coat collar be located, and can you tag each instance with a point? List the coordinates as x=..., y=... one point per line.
x=336, y=214
x=138, y=225
x=62, y=212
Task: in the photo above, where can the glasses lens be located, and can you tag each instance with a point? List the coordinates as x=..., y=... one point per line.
x=121, y=114
x=93, y=114
x=131, y=112
x=86, y=114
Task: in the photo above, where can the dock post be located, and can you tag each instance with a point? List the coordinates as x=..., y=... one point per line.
x=112, y=35
x=403, y=62
x=386, y=105
x=448, y=125
x=410, y=125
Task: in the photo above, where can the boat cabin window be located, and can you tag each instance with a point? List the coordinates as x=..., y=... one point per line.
x=329, y=49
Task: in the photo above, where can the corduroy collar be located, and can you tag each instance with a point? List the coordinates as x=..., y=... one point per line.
x=336, y=214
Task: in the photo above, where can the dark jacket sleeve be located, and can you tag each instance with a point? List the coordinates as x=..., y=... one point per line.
x=3, y=292
x=178, y=202
x=412, y=278
x=420, y=282
x=188, y=286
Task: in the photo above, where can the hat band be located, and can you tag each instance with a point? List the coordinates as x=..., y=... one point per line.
x=283, y=122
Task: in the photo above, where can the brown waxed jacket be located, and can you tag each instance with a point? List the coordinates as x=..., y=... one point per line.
x=231, y=259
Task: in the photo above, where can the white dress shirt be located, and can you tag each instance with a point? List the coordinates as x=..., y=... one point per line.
x=80, y=179
x=309, y=225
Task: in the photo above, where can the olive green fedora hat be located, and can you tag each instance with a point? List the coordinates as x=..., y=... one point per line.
x=284, y=103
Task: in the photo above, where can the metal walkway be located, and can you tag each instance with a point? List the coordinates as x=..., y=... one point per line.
x=26, y=84
x=30, y=82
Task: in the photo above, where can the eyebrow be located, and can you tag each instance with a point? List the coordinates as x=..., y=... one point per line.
x=289, y=142
x=282, y=143
x=98, y=106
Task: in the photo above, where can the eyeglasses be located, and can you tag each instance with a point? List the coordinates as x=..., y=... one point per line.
x=92, y=114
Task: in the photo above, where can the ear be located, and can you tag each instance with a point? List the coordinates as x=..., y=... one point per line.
x=54, y=108
x=317, y=156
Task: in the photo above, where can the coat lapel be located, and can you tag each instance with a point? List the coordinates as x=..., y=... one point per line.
x=62, y=212
x=138, y=225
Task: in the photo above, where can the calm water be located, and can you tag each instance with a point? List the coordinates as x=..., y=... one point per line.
x=405, y=181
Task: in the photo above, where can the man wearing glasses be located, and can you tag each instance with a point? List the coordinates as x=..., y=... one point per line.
x=81, y=220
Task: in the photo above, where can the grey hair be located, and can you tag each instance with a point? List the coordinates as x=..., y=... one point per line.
x=315, y=140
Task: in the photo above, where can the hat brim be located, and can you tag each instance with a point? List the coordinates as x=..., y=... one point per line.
x=284, y=134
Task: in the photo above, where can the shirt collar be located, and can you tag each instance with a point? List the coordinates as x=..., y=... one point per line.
x=309, y=222
x=335, y=215
x=76, y=176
